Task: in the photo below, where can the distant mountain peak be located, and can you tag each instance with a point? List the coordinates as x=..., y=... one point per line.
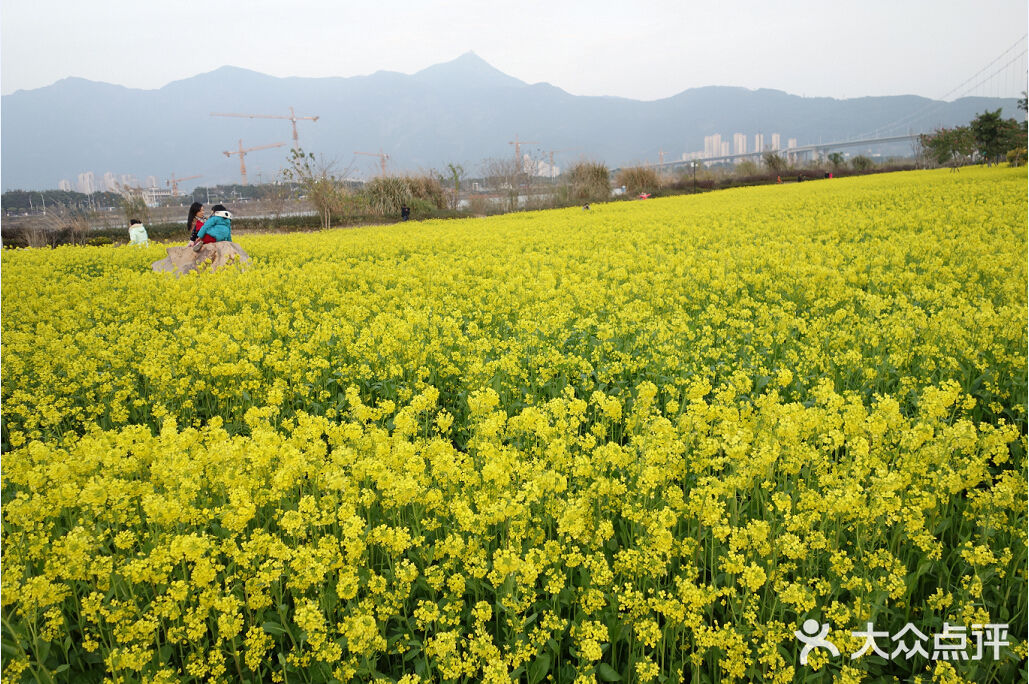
x=467, y=70
x=223, y=74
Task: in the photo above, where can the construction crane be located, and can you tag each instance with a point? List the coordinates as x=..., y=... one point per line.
x=382, y=158
x=293, y=118
x=243, y=153
x=129, y=190
x=518, y=146
x=174, y=182
x=553, y=152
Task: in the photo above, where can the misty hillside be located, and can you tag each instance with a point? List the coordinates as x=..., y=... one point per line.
x=462, y=111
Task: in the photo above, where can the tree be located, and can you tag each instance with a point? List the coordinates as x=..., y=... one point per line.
x=457, y=173
x=948, y=145
x=747, y=167
x=324, y=190
x=505, y=174
x=994, y=136
x=134, y=207
x=837, y=161
x=590, y=182
x=638, y=179
x=775, y=162
x=862, y=163
x=387, y=194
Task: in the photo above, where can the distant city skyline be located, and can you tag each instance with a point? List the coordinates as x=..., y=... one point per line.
x=645, y=51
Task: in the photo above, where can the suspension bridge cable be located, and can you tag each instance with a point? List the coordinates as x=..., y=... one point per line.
x=936, y=105
x=976, y=74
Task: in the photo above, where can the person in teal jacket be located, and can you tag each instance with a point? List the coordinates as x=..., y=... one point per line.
x=218, y=228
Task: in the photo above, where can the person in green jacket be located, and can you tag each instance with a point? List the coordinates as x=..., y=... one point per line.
x=137, y=233
x=218, y=228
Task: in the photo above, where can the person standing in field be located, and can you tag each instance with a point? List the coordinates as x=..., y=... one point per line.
x=195, y=221
x=137, y=233
x=218, y=228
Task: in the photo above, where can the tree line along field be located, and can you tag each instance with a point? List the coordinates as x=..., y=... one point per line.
x=646, y=442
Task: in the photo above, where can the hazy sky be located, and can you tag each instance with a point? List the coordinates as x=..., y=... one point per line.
x=642, y=50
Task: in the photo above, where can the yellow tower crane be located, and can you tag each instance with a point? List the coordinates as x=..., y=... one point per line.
x=383, y=157
x=243, y=153
x=174, y=182
x=518, y=146
x=293, y=118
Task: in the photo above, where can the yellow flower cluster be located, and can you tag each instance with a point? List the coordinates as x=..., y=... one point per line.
x=642, y=443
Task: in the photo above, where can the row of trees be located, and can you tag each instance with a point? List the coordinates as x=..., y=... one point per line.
x=333, y=196
x=510, y=187
x=987, y=138
x=24, y=201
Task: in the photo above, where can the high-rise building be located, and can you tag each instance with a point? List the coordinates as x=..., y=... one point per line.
x=128, y=180
x=713, y=145
x=64, y=185
x=87, y=183
x=791, y=143
x=759, y=142
x=776, y=141
x=739, y=143
x=725, y=149
x=110, y=182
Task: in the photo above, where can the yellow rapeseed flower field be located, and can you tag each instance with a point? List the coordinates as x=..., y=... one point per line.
x=651, y=442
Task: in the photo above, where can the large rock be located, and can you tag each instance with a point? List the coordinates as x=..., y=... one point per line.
x=182, y=260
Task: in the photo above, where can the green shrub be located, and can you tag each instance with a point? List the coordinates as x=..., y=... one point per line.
x=638, y=179
x=387, y=194
x=862, y=163
x=589, y=182
x=428, y=189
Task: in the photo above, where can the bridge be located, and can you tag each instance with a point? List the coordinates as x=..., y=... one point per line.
x=789, y=152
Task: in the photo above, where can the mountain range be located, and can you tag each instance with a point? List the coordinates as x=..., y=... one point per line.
x=463, y=111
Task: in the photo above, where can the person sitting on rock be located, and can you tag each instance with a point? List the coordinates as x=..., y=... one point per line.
x=137, y=233
x=218, y=228
x=195, y=221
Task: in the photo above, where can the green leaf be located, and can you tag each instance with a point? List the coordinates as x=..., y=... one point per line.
x=62, y=668
x=539, y=668
x=607, y=673
x=273, y=628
